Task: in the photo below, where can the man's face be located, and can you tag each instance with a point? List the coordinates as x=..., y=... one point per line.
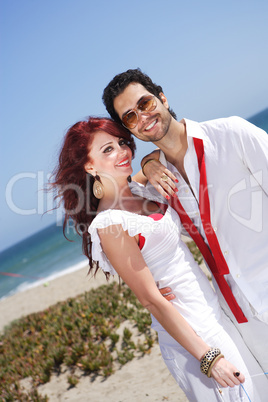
x=151, y=126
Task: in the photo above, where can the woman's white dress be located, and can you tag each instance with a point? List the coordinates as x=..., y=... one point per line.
x=172, y=264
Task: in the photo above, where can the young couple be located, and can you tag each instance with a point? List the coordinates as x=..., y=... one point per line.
x=211, y=176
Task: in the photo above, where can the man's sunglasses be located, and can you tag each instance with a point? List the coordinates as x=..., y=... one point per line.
x=145, y=105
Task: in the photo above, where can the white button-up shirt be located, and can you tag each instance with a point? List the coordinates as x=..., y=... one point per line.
x=236, y=156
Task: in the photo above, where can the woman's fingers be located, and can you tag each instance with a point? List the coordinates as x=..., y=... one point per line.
x=225, y=373
x=166, y=181
x=161, y=178
x=164, y=188
x=168, y=176
x=241, y=378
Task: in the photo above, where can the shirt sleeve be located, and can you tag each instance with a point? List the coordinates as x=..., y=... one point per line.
x=148, y=192
x=129, y=222
x=254, y=146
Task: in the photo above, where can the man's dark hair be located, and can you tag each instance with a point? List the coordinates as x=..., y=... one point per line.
x=119, y=84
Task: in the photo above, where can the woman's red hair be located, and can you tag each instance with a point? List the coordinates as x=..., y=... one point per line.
x=74, y=185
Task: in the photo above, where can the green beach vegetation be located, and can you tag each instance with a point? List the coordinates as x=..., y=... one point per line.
x=86, y=335
x=80, y=334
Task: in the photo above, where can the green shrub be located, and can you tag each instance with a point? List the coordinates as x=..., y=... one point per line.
x=75, y=333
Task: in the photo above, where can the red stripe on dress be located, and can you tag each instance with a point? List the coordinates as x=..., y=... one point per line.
x=156, y=217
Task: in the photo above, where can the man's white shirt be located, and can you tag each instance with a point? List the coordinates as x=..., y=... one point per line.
x=236, y=157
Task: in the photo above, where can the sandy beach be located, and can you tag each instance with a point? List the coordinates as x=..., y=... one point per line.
x=142, y=379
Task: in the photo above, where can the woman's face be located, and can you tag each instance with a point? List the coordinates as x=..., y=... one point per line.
x=109, y=155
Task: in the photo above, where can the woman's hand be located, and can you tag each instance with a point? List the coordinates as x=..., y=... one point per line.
x=224, y=373
x=161, y=178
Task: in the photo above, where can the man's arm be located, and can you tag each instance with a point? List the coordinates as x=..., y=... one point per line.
x=254, y=143
x=140, y=177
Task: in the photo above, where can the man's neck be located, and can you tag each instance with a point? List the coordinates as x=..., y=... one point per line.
x=174, y=145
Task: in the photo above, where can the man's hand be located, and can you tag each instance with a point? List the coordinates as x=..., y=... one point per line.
x=167, y=294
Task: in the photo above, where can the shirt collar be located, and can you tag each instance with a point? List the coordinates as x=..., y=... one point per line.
x=193, y=130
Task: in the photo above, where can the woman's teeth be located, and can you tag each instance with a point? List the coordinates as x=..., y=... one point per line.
x=123, y=163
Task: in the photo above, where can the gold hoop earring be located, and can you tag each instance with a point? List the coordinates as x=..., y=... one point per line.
x=98, y=189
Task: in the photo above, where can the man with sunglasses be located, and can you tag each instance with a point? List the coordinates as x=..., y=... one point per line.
x=221, y=194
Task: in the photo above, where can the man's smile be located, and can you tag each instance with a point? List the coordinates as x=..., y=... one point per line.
x=151, y=125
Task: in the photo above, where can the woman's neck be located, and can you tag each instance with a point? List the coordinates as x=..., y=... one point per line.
x=116, y=196
x=124, y=200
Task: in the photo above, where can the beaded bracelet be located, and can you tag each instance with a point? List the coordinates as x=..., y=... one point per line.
x=208, y=359
x=149, y=160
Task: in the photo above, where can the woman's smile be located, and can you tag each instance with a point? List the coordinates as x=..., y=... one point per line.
x=124, y=162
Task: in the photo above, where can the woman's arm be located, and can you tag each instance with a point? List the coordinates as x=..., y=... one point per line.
x=140, y=177
x=124, y=254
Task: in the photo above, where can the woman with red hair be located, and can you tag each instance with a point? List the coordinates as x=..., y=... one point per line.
x=74, y=185
x=126, y=230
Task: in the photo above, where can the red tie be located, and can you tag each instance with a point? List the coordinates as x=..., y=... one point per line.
x=212, y=254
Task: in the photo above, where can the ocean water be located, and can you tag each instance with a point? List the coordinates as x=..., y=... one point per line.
x=47, y=254
x=260, y=120
x=39, y=259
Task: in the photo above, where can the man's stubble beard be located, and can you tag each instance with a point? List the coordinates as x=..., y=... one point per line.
x=166, y=125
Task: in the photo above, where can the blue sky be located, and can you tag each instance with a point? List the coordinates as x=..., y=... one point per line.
x=57, y=56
